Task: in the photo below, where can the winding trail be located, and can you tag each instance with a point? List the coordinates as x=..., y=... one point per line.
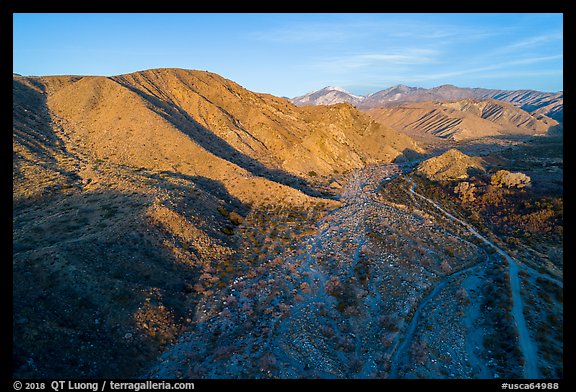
x=294, y=336
x=408, y=335
x=527, y=346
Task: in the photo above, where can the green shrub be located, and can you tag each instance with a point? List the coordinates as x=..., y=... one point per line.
x=235, y=218
x=223, y=211
x=227, y=230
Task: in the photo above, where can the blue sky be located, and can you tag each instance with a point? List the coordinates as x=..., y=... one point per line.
x=292, y=54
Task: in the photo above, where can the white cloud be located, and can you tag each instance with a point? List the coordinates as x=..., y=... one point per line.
x=357, y=62
x=515, y=74
x=493, y=67
x=531, y=42
x=392, y=28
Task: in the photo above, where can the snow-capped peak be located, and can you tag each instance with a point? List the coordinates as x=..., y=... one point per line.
x=340, y=89
x=336, y=88
x=327, y=96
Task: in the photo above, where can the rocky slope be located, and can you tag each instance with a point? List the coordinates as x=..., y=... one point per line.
x=133, y=197
x=450, y=166
x=196, y=120
x=463, y=119
x=263, y=127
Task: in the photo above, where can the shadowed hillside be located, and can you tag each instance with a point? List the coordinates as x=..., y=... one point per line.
x=133, y=201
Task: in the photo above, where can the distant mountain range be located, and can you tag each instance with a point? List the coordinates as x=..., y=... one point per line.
x=463, y=119
x=537, y=102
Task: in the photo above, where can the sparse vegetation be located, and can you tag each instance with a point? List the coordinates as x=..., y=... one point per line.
x=504, y=178
x=235, y=218
x=501, y=340
x=465, y=191
x=227, y=230
x=518, y=215
x=181, y=233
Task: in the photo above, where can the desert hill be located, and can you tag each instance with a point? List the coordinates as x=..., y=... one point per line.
x=265, y=128
x=209, y=126
x=452, y=164
x=137, y=197
x=463, y=119
x=504, y=114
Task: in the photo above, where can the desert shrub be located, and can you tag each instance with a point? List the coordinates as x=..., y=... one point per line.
x=227, y=230
x=305, y=287
x=512, y=241
x=346, y=343
x=223, y=352
x=333, y=286
x=465, y=191
x=223, y=211
x=267, y=362
x=362, y=270
x=386, y=340
x=351, y=311
x=419, y=351
x=388, y=322
x=445, y=267
x=504, y=178
x=312, y=173
x=538, y=221
x=327, y=331
x=235, y=218
x=462, y=294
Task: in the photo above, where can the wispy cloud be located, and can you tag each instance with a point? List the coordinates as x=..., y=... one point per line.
x=446, y=34
x=515, y=74
x=411, y=56
x=485, y=69
x=531, y=42
x=358, y=62
x=366, y=50
x=399, y=29
x=533, y=60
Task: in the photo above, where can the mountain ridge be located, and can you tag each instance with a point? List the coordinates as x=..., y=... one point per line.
x=547, y=103
x=196, y=119
x=129, y=197
x=463, y=119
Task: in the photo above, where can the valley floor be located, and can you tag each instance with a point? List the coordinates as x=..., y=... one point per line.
x=383, y=289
